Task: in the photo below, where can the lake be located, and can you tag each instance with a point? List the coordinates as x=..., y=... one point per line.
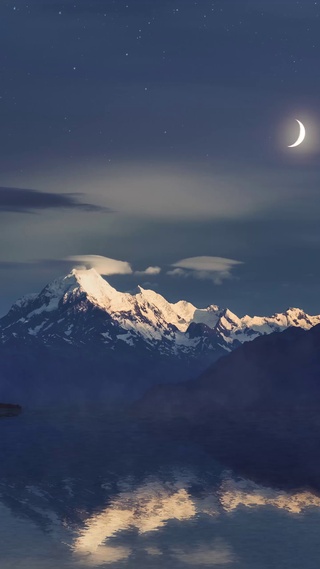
x=88, y=490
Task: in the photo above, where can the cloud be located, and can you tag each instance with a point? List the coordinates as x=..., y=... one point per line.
x=103, y=265
x=216, y=269
x=177, y=273
x=149, y=271
x=21, y=200
x=106, y=266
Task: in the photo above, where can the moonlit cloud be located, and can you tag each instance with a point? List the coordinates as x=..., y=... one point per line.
x=149, y=271
x=103, y=265
x=216, y=269
x=177, y=273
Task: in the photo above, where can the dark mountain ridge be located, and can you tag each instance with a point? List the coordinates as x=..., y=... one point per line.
x=257, y=410
x=279, y=371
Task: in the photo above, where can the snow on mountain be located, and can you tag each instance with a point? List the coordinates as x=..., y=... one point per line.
x=82, y=308
x=257, y=326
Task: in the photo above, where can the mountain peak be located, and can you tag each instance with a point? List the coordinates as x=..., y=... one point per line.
x=294, y=310
x=81, y=281
x=96, y=288
x=77, y=273
x=91, y=281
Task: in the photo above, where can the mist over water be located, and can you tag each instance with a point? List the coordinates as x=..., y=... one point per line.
x=85, y=490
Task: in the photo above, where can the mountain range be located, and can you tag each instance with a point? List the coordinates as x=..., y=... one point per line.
x=82, y=308
x=79, y=331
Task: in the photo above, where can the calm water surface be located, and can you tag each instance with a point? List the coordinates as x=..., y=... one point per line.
x=83, y=490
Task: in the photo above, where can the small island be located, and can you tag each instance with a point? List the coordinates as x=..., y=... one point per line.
x=9, y=410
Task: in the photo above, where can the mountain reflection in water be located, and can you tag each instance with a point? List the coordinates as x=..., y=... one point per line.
x=87, y=491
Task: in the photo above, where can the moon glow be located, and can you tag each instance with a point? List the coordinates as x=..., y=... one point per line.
x=301, y=137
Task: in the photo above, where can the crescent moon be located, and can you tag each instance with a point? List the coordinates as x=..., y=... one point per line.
x=301, y=137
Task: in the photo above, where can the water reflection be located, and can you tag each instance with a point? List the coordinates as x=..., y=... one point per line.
x=218, y=554
x=152, y=505
x=69, y=503
x=103, y=555
x=244, y=493
x=146, y=509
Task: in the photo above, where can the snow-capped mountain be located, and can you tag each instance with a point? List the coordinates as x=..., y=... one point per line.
x=82, y=308
x=81, y=340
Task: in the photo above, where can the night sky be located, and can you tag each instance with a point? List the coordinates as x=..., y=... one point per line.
x=154, y=131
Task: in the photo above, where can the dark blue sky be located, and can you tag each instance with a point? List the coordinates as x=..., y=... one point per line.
x=153, y=131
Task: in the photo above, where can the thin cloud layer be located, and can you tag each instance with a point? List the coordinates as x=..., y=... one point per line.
x=161, y=191
x=20, y=200
x=216, y=269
